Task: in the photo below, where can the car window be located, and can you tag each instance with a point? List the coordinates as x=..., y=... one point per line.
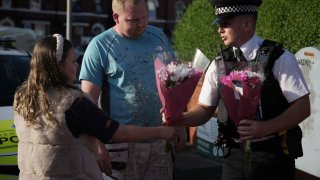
x=13, y=72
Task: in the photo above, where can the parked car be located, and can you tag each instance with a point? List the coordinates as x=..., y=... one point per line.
x=14, y=69
x=24, y=38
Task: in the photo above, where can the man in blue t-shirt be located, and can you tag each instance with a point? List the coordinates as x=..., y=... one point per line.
x=122, y=57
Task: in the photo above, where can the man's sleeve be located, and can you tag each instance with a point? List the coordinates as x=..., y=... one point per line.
x=92, y=65
x=290, y=77
x=209, y=94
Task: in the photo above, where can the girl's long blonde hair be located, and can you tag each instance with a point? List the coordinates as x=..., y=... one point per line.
x=31, y=99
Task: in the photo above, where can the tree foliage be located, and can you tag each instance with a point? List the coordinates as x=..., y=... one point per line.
x=195, y=31
x=294, y=23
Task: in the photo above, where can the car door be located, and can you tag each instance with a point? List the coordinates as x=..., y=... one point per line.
x=14, y=70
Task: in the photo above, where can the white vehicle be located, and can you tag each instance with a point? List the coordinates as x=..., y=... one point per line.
x=14, y=69
x=24, y=38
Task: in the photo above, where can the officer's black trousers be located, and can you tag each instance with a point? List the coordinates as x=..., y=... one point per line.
x=268, y=163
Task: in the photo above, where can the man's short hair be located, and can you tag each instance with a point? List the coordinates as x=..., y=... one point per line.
x=120, y=5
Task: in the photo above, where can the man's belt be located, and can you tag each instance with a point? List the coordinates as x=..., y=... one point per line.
x=270, y=145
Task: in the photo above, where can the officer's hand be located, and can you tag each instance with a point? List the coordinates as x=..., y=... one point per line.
x=249, y=129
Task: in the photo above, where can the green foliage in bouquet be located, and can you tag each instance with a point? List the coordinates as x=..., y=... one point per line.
x=294, y=23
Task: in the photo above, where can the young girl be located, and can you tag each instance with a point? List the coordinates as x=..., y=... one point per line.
x=57, y=125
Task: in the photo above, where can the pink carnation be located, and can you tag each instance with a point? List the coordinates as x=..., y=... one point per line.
x=240, y=93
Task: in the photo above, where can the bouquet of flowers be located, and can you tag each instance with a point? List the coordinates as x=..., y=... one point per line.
x=240, y=92
x=176, y=83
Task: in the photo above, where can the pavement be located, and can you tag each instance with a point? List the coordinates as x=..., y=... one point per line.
x=190, y=165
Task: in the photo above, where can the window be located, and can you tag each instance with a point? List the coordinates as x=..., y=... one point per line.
x=6, y=4
x=152, y=8
x=98, y=6
x=41, y=28
x=7, y=22
x=179, y=8
x=35, y=4
x=76, y=6
x=97, y=28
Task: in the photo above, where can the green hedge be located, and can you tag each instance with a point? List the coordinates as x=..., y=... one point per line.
x=294, y=23
x=195, y=31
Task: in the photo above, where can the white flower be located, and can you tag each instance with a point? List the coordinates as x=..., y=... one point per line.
x=175, y=73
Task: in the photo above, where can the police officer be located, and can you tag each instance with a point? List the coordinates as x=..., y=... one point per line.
x=284, y=98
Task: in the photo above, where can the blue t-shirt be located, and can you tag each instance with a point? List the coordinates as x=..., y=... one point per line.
x=129, y=64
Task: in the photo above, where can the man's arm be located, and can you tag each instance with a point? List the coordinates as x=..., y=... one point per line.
x=91, y=89
x=99, y=150
x=197, y=116
x=298, y=111
x=132, y=133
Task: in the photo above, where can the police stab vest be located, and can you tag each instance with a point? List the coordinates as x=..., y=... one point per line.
x=272, y=101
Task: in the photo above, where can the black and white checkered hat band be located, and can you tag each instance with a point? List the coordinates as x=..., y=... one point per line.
x=236, y=9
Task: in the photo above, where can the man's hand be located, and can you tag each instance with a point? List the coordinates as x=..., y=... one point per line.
x=182, y=139
x=100, y=152
x=103, y=159
x=249, y=129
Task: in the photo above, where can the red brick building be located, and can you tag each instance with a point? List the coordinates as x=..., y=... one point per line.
x=89, y=17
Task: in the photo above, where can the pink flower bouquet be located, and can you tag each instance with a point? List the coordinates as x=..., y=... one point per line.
x=240, y=93
x=176, y=83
